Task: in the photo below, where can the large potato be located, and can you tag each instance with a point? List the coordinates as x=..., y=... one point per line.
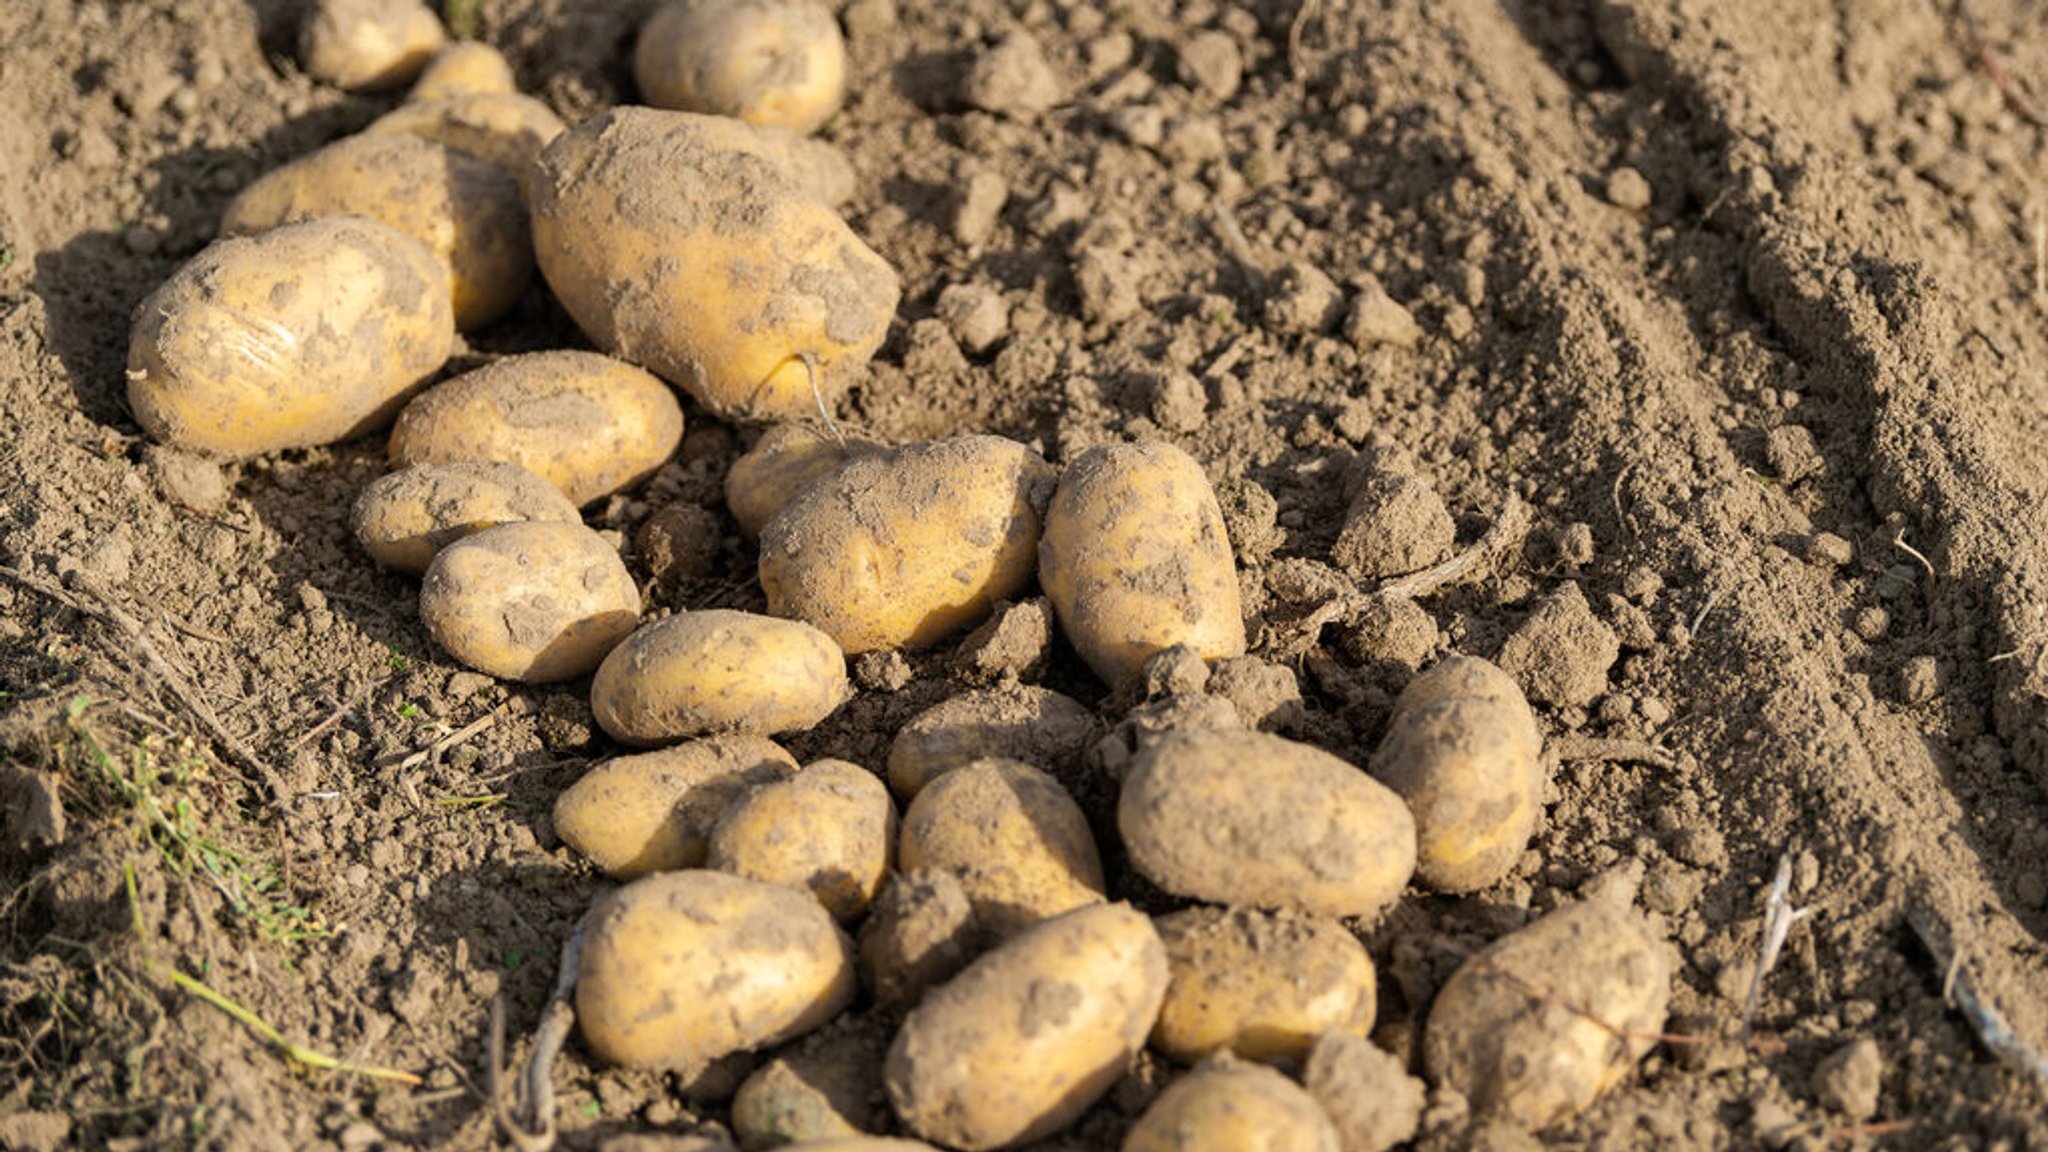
x=403, y=519
x=1135, y=560
x=589, y=424
x=305, y=335
x=829, y=830
x=467, y=211
x=762, y=61
x=682, y=968
x=537, y=601
x=369, y=44
x=718, y=671
x=1015, y=722
x=1261, y=985
x=1239, y=817
x=504, y=129
x=1019, y=844
x=679, y=250
x=1019, y=1044
x=1231, y=1107
x=1464, y=751
x=906, y=549
x=464, y=68
x=654, y=812
x=786, y=459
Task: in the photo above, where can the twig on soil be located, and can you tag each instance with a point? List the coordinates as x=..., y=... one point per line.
x=1779, y=917
x=1240, y=249
x=1855, y=1132
x=536, y=1087
x=1700, y=617
x=1991, y=1026
x=1591, y=748
x=296, y=1053
x=1899, y=541
x=335, y=717
x=434, y=751
x=1988, y=59
x=1296, y=34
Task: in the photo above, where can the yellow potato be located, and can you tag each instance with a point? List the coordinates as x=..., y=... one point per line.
x=1239, y=817
x=680, y=250
x=503, y=129
x=369, y=44
x=1013, y=722
x=830, y=830
x=786, y=459
x=464, y=68
x=1018, y=843
x=306, y=335
x=1019, y=1044
x=904, y=550
x=920, y=931
x=1135, y=560
x=825, y=1087
x=682, y=968
x=536, y=602
x=654, y=812
x=1259, y=984
x=590, y=425
x=718, y=671
x=1464, y=751
x=762, y=61
x=403, y=519
x=865, y=1144
x=1232, y=1107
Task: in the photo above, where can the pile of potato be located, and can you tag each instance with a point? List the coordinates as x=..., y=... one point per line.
x=698, y=248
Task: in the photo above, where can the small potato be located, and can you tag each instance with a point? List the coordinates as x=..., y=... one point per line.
x=308, y=334
x=405, y=518
x=718, y=671
x=535, y=602
x=1016, y=722
x=1019, y=1044
x=830, y=830
x=1135, y=560
x=682, y=968
x=590, y=425
x=1019, y=844
x=1232, y=1107
x=366, y=45
x=904, y=550
x=679, y=249
x=763, y=61
x=654, y=812
x=786, y=459
x=503, y=129
x=1510, y=1029
x=920, y=932
x=1261, y=985
x=825, y=1087
x=1238, y=817
x=1464, y=751
x=464, y=68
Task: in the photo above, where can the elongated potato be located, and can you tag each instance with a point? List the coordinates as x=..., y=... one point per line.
x=718, y=671
x=1019, y=844
x=503, y=129
x=1019, y=1044
x=464, y=68
x=1135, y=560
x=1239, y=817
x=904, y=550
x=369, y=44
x=1015, y=722
x=403, y=519
x=654, y=812
x=682, y=968
x=1464, y=751
x=829, y=830
x=308, y=334
x=763, y=61
x=786, y=459
x=536, y=602
x=1232, y=1107
x=1259, y=984
x=589, y=424
x=675, y=249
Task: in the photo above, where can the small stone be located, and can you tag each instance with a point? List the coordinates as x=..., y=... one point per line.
x=978, y=206
x=976, y=314
x=1302, y=299
x=1774, y=1123
x=359, y=1136
x=1371, y=1099
x=1179, y=402
x=1397, y=524
x=1209, y=61
x=1828, y=549
x=1014, y=644
x=1627, y=189
x=141, y=241
x=884, y=671
x=1377, y=318
x=1266, y=695
x=1919, y=680
x=1143, y=125
x=184, y=479
x=1792, y=454
x=1871, y=622
x=1014, y=79
x=1562, y=653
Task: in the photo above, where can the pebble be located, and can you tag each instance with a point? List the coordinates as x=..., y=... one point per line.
x=1302, y=299
x=1014, y=79
x=977, y=315
x=1179, y=403
x=979, y=205
x=1850, y=1079
x=1627, y=189
x=1209, y=62
x=1143, y=125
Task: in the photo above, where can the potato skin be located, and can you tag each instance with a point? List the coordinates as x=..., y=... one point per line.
x=1016, y=722
x=786, y=459
x=829, y=830
x=1231, y=1107
x=1135, y=560
x=681, y=968
x=1238, y=817
x=536, y=602
x=718, y=671
x=1260, y=985
x=367, y=45
x=1464, y=751
x=464, y=68
x=504, y=129
x=779, y=62
x=1020, y=1043
x=588, y=424
x=404, y=518
x=904, y=550
x=675, y=248
x=1019, y=844
x=654, y=812
x=306, y=335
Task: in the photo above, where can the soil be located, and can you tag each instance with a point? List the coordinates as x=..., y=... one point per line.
x=1742, y=297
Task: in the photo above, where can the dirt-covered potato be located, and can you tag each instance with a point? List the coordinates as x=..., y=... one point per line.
x=590, y=425
x=404, y=518
x=1510, y=1029
x=826, y=1086
x=718, y=671
x=305, y=335
x=1135, y=560
x=1238, y=817
x=464, y=68
x=369, y=44
x=654, y=812
x=865, y=1144
x=784, y=461
x=1233, y=1107
x=678, y=249
x=681, y=968
x=1260, y=984
x=903, y=550
x=537, y=602
x=920, y=931
x=1014, y=722
x=830, y=830
x=503, y=129
x=1464, y=751
x=1019, y=844
x=1020, y=1043
x=763, y=61
x=464, y=209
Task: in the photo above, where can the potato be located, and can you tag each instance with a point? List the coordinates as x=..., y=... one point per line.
x=865, y=1144
x=763, y=61
x=305, y=335
x=816, y=167
x=464, y=68
x=1232, y=1107
x=679, y=249
x=364, y=45
x=1260, y=985
x=830, y=830
x=1135, y=560
x=681, y=968
x=718, y=671
x=1019, y=1044
x=535, y=602
x=1239, y=817
x=1510, y=1029
x=827, y=1086
x=590, y=425
x=654, y=812
x=906, y=549
x=1015, y=722
x=1016, y=840
x=1464, y=751
x=920, y=931
x=785, y=460
x=404, y=518
x=503, y=129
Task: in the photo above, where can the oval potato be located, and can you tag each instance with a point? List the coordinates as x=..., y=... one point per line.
x=782, y=463
x=369, y=44
x=1018, y=843
x=829, y=830
x=654, y=812
x=464, y=68
x=536, y=602
x=506, y=130
x=1012, y=722
x=718, y=671
x=1232, y=1107
x=763, y=61
x=1262, y=985
x=404, y=518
